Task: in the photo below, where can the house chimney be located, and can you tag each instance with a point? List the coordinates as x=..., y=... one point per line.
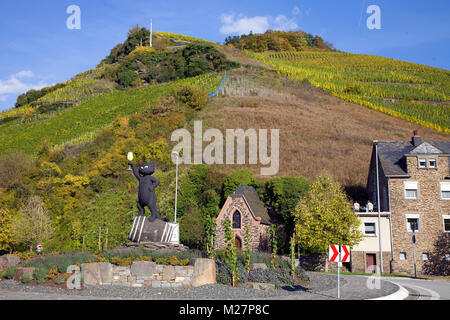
x=416, y=139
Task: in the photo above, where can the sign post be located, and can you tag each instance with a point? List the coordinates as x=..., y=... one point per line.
x=339, y=253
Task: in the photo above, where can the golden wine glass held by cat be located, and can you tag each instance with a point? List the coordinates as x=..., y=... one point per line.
x=130, y=158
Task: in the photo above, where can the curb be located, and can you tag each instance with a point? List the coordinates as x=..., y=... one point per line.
x=400, y=294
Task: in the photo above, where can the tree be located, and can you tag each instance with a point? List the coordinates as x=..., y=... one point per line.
x=236, y=178
x=282, y=195
x=33, y=224
x=325, y=216
x=6, y=236
x=192, y=230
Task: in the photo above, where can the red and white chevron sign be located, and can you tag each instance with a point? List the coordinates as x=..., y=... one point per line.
x=345, y=254
x=333, y=253
x=336, y=255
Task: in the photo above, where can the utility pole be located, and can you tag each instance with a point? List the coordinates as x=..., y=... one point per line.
x=151, y=33
x=378, y=207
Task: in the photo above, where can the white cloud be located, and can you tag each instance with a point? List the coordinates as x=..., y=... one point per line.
x=243, y=24
x=24, y=74
x=258, y=24
x=15, y=85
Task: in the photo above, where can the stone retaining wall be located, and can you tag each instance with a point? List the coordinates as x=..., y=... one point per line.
x=149, y=274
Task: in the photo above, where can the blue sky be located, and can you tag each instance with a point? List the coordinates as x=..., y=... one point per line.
x=37, y=49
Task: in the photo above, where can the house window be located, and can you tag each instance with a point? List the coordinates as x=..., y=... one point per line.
x=422, y=163
x=412, y=221
x=432, y=163
x=446, y=223
x=369, y=229
x=424, y=256
x=411, y=190
x=402, y=255
x=236, y=220
x=445, y=190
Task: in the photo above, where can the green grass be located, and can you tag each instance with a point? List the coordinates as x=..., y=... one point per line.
x=89, y=116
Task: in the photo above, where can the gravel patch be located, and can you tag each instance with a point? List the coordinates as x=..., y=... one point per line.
x=318, y=283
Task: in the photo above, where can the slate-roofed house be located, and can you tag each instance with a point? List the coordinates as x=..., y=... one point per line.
x=414, y=184
x=243, y=208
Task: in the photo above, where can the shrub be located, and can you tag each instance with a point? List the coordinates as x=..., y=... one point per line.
x=161, y=261
x=60, y=280
x=53, y=273
x=146, y=258
x=173, y=261
x=40, y=274
x=277, y=276
x=191, y=96
x=121, y=261
x=2, y=274
x=9, y=274
x=224, y=274
x=25, y=278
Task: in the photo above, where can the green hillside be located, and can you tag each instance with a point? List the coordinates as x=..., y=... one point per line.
x=89, y=116
x=416, y=93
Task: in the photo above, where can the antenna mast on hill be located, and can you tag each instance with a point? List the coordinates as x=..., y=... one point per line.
x=151, y=32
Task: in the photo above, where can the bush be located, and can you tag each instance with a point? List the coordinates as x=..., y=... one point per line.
x=53, y=273
x=60, y=261
x=9, y=274
x=40, y=274
x=2, y=274
x=192, y=96
x=279, y=276
x=25, y=278
x=161, y=261
x=224, y=274
x=121, y=261
x=59, y=280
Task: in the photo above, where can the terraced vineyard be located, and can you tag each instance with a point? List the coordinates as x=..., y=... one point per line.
x=89, y=116
x=416, y=93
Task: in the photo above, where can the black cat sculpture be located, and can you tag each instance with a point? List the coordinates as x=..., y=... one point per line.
x=147, y=185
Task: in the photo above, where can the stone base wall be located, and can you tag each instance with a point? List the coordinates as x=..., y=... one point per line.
x=163, y=277
x=314, y=262
x=150, y=274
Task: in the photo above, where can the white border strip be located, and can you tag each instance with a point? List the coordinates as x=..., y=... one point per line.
x=140, y=232
x=137, y=226
x=400, y=294
x=134, y=223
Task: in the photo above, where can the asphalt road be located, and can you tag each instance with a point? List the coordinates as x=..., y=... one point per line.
x=436, y=289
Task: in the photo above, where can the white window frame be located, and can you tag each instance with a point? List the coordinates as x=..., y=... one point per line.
x=411, y=185
x=435, y=162
x=422, y=167
x=400, y=256
x=445, y=217
x=413, y=216
x=370, y=234
x=445, y=187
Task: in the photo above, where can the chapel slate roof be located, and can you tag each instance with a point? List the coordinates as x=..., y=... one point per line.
x=392, y=154
x=255, y=204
